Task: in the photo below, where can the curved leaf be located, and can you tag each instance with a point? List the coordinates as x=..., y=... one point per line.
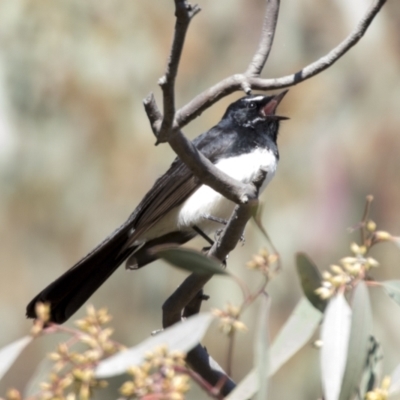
x=261, y=348
x=297, y=331
x=182, y=336
x=372, y=373
x=310, y=279
x=335, y=335
x=361, y=329
x=41, y=374
x=9, y=353
x=247, y=387
x=191, y=260
x=395, y=381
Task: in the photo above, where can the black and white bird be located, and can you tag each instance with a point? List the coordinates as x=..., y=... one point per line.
x=178, y=206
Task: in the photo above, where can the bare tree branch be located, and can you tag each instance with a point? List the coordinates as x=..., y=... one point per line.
x=236, y=82
x=184, y=12
x=267, y=37
x=191, y=288
x=201, y=167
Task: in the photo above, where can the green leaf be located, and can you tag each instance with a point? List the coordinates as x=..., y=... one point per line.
x=392, y=288
x=246, y=388
x=9, y=353
x=296, y=332
x=373, y=367
x=310, y=279
x=335, y=334
x=361, y=329
x=182, y=336
x=261, y=348
x=41, y=374
x=395, y=381
x=191, y=260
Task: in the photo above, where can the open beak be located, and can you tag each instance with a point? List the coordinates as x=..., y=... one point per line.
x=270, y=108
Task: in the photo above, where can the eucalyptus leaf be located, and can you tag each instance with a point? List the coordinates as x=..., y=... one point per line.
x=361, y=329
x=9, y=353
x=41, y=374
x=182, y=336
x=392, y=288
x=296, y=332
x=395, y=381
x=261, y=348
x=372, y=373
x=191, y=260
x=335, y=334
x=310, y=279
x=246, y=388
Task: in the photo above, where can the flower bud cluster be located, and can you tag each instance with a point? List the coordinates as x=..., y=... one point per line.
x=262, y=262
x=72, y=375
x=229, y=319
x=350, y=270
x=161, y=374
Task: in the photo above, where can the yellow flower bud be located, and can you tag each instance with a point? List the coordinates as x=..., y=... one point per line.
x=324, y=293
x=336, y=269
x=42, y=311
x=127, y=389
x=326, y=275
x=54, y=356
x=371, y=262
x=382, y=235
x=386, y=383
x=13, y=394
x=371, y=226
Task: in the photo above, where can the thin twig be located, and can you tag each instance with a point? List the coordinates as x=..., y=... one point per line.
x=267, y=37
x=184, y=13
x=365, y=217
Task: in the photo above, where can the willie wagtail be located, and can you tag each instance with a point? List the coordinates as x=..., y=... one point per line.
x=178, y=206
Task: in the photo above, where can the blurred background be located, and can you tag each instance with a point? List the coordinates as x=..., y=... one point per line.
x=77, y=155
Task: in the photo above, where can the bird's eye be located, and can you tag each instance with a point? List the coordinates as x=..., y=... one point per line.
x=252, y=105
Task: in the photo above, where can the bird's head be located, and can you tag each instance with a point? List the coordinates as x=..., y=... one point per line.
x=253, y=110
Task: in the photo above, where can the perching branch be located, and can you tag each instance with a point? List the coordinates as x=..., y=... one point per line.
x=162, y=125
x=166, y=127
x=190, y=292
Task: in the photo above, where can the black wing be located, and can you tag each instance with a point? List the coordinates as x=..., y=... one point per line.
x=67, y=293
x=176, y=185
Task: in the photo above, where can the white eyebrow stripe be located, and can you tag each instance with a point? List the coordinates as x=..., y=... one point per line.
x=258, y=98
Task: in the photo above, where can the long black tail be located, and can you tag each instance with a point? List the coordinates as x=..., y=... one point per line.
x=68, y=293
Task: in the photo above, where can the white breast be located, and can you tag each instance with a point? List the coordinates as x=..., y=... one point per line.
x=206, y=201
